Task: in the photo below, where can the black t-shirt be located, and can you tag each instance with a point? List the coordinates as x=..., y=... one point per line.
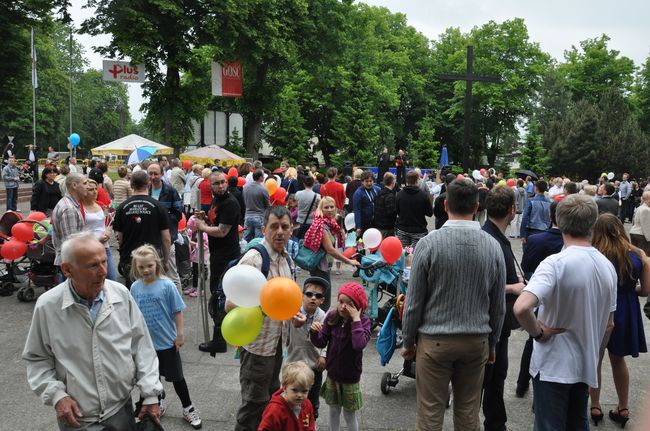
x=224, y=210
x=140, y=219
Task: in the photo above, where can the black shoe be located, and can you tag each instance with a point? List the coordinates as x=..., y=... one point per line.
x=617, y=417
x=213, y=347
x=598, y=416
x=356, y=273
x=521, y=390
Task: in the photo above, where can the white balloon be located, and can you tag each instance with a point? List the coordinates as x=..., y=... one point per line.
x=349, y=222
x=372, y=238
x=610, y=176
x=476, y=174
x=242, y=285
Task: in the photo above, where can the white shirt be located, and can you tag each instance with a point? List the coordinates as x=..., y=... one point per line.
x=576, y=289
x=554, y=191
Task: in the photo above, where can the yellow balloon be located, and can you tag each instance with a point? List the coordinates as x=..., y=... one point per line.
x=271, y=186
x=242, y=325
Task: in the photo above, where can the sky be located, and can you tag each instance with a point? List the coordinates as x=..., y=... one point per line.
x=556, y=25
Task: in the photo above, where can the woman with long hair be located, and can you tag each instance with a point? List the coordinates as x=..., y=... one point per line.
x=46, y=192
x=325, y=232
x=290, y=181
x=95, y=220
x=627, y=337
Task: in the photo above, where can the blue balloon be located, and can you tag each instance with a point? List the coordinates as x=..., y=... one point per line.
x=74, y=139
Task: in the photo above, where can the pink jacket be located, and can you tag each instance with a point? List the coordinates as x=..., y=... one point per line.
x=194, y=249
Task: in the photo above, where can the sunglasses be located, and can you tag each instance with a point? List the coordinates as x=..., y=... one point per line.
x=314, y=295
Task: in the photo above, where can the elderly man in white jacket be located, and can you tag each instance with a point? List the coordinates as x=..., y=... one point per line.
x=88, y=346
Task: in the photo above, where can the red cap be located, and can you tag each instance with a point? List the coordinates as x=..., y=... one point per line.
x=356, y=293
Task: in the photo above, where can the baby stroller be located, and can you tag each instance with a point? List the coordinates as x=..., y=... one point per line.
x=379, y=279
x=41, y=271
x=25, y=173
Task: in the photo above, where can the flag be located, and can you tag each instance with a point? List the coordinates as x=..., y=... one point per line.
x=226, y=79
x=34, y=75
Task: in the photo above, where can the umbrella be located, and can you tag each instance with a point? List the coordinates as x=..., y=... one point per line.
x=444, y=157
x=526, y=173
x=124, y=146
x=140, y=154
x=210, y=153
x=278, y=171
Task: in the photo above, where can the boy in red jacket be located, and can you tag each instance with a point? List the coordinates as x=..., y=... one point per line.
x=290, y=408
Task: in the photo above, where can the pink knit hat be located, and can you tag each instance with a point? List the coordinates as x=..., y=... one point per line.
x=356, y=293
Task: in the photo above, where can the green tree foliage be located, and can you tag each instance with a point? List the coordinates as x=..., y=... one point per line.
x=533, y=154
x=642, y=96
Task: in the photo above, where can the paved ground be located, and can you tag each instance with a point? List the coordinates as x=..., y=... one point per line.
x=213, y=382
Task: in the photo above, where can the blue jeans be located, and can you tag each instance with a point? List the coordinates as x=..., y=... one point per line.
x=110, y=266
x=253, y=226
x=12, y=198
x=560, y=407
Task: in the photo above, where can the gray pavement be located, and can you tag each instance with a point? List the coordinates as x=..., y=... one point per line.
x=214, y=386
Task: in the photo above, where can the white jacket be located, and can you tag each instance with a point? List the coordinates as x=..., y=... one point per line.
x=97, y=365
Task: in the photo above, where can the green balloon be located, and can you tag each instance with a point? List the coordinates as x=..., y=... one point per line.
x=242, y=325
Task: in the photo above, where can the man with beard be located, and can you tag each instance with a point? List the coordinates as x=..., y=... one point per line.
x=220, y=223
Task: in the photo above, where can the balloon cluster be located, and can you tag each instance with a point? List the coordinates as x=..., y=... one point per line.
x=279, y=298
x=390, y=247
x=23, y=232
x=278, y=194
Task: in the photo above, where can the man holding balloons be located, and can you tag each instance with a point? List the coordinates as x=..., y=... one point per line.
x=261, y=359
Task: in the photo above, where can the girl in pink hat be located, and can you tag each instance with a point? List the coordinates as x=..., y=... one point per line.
x=345, y=332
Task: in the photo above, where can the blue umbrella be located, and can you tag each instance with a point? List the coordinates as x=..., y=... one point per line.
x=444, y=157
x=140, y=154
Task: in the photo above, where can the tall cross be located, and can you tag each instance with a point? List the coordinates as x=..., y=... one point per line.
x=470, y=78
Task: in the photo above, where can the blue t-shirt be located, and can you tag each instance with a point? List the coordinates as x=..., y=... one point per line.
x=158, y=302
x=155, y=193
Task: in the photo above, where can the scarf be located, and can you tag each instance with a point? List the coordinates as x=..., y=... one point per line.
x=314, y=236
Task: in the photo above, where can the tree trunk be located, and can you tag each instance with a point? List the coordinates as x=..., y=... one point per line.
x=172, y=85
x=252, y=134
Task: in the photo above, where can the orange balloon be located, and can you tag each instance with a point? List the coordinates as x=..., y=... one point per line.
x=349, y=252
x=182, y=223
x=280, y=298
x=271, y=186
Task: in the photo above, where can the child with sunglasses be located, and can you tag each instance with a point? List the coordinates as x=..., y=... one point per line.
x=299, y=346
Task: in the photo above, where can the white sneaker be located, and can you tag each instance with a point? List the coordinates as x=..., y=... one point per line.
x=162, y=406
x=192, y=416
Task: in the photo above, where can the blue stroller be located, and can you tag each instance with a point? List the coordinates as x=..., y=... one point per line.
x=379, y=279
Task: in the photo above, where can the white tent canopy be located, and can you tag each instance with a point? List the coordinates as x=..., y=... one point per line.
x=124, y=146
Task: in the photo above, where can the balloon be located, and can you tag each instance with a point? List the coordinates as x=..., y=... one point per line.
x=610, y=176
x=13, y=249
x=242, y=325
x=477, y=175
x=36, y=215
x=280, y=194
x=510, y=182
x=482, y=171
x=391, y=249
x=74, y=139
x=502, y=183
x=182, y=223
x=460, y=177
x=22, y=232
x=271, y=186
x=281, y=298
x=372, y=238
x=604, y=174
x=349, y=222
x=349, y=252
x=232, y=172
x=243, y=284
x=187, y=164
x=241, y=182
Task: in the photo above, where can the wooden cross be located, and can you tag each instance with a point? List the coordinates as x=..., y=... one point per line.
x=470, y=78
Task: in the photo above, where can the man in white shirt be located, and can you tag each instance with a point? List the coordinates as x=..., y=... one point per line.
x=575, y=291
x=557, y=188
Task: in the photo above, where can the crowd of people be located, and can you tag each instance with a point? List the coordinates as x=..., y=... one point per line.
x=574, y=292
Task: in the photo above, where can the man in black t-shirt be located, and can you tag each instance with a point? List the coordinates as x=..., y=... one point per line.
x=141, y=220
x=220, y=223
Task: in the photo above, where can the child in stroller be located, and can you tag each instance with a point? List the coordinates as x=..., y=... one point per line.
x=25, y=173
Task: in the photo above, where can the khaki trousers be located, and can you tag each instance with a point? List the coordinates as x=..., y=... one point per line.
x=460, y=359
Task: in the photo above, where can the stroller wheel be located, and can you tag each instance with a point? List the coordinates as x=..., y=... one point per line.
x=385, y=379
x=26, y=294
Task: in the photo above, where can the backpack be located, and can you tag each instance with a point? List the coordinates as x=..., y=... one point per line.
x=218, y=299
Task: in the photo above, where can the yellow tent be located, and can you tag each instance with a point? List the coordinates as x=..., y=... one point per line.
x=125, y=146
x=211, y=153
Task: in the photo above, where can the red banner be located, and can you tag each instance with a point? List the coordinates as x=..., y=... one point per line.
x=227, y=79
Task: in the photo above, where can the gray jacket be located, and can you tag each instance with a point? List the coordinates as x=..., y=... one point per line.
x=10, y=176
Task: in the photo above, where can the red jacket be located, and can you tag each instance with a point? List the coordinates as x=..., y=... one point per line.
x=278, y=416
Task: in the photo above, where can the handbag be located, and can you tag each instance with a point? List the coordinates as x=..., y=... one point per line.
x=302, y=230
x=307, y=259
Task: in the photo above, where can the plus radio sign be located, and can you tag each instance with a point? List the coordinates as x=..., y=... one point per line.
x=117, y=70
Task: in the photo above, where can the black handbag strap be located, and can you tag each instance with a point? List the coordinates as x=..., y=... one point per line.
x=309, y=210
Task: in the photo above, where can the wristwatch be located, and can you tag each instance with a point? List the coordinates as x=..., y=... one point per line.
x=540, y=335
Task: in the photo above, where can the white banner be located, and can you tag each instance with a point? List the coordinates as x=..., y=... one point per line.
x=123, y=71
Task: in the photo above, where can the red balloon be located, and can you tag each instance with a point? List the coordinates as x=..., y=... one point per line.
x=460, y=177
x=510, y=182
x=349, y=252
x=22, y=232
x=187, y=164
x=391, y=249
x=182, y=223
x=232, y=172
x=13, y=249
x=36, y=215
x=482, y=171
x=241, y=182
x=280, y=194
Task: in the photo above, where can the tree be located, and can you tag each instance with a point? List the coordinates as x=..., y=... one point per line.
x=533, y=154
x=642, y=96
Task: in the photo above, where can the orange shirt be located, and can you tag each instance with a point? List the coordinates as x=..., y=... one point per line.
x=334, y=190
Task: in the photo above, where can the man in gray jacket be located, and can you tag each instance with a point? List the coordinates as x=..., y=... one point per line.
x=89, y=383
x=453, y=316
